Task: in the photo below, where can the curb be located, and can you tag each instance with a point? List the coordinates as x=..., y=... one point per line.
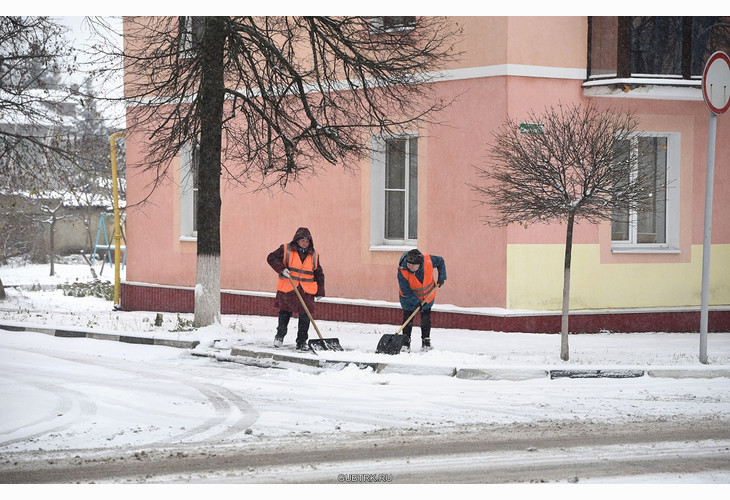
x=674, y=373
x=596, y=374
x=266, y=359
x=500, y=374
x=114, y=337
x=269, y=359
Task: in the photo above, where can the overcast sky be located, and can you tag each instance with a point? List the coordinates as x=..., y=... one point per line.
x=83, y=38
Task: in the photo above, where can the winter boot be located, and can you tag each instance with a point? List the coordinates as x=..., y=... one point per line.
x=303, y=329
x=302, y=346
x=406, y=347
x=426, y=344
x=284, y=317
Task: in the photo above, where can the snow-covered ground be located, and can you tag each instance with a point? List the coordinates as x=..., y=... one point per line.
x=61, y=395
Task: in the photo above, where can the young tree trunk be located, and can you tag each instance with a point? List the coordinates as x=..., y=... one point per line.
x=207, y=289
x=564, y=328
x=52, y=244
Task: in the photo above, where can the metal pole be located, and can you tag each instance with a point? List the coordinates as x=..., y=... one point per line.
x=707, y=241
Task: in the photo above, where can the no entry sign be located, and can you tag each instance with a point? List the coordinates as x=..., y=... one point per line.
x=716, y=83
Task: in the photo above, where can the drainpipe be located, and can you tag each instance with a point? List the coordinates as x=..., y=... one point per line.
x=117, y=219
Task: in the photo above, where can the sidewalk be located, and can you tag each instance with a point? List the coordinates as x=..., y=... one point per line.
x=240, y=351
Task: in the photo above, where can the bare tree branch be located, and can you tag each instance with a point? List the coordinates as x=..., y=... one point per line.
x=299, y=89
x=576, y=160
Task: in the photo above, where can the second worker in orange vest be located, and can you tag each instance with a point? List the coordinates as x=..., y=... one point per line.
x=417, y=284
x=300, y=260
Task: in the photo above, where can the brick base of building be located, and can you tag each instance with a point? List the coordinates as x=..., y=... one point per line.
x=143, y=297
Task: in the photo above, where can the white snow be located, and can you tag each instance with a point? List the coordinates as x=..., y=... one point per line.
x=65, y=394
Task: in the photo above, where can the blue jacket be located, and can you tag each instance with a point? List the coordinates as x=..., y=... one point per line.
x=410, y=301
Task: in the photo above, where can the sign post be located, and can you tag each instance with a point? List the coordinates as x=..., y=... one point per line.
x=716, y=93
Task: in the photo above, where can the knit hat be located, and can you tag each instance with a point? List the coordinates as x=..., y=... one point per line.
x=414, y=257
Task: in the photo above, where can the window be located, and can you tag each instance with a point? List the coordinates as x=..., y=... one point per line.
x=191, y=31
x=654, y=46
x=394, y=191
x=189, y=162
x=392, y=23
x=657, y=228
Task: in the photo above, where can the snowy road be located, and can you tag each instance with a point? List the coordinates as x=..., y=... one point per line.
x=83, y=410
x=478, y=454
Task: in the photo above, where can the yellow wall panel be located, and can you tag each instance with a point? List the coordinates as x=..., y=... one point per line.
x=535, y=279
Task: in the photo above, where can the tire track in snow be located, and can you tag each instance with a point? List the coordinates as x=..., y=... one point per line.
x=233, y=415
x=70, y=406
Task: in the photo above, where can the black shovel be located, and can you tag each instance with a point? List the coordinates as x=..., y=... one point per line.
x=322, y=344
x=393, y=343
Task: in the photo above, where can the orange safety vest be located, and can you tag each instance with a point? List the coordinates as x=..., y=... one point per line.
x=302, y=273
x=422, y=290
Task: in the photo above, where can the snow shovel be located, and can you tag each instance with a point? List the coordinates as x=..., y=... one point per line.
x=322, y=344
x=393, y=343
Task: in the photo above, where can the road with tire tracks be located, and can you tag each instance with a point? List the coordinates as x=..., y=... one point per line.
x=533, y=453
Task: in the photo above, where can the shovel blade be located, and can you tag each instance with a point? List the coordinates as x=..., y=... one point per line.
x=390, y=344
x=325, y=345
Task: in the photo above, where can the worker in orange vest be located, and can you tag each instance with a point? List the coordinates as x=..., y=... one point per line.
x=418, y=285
x=299, y=260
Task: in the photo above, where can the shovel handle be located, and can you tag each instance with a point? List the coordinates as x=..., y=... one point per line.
x=306, y=309
x=424, y=301
x=409, y=319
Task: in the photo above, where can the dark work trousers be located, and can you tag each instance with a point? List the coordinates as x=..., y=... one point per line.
x=302, y=329
x=425, y=324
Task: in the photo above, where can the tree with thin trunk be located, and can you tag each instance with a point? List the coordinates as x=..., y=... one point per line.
x=570, y=163
x=271, y=100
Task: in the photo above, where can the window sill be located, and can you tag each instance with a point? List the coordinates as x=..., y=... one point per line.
x=194, y=239
x=391, y=248
x=663, y=249
x=644, y=88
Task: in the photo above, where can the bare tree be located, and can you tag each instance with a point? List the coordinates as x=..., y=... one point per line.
x=49, y=211
x=272, y=99
x=33, y=52
x=570, y=163
x=34, y=105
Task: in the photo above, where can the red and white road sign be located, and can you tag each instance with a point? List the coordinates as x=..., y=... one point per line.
x=716, y=83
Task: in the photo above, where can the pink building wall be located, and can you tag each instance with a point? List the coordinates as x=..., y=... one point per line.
x=335, y=204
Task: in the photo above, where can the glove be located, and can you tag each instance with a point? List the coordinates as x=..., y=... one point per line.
x=285, y=273
x=440, y=283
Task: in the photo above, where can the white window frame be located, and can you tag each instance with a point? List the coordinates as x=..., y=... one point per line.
x=672, y=199
x=377, y=25
x=188, y=194
x=188, y=42
x=378, y=241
